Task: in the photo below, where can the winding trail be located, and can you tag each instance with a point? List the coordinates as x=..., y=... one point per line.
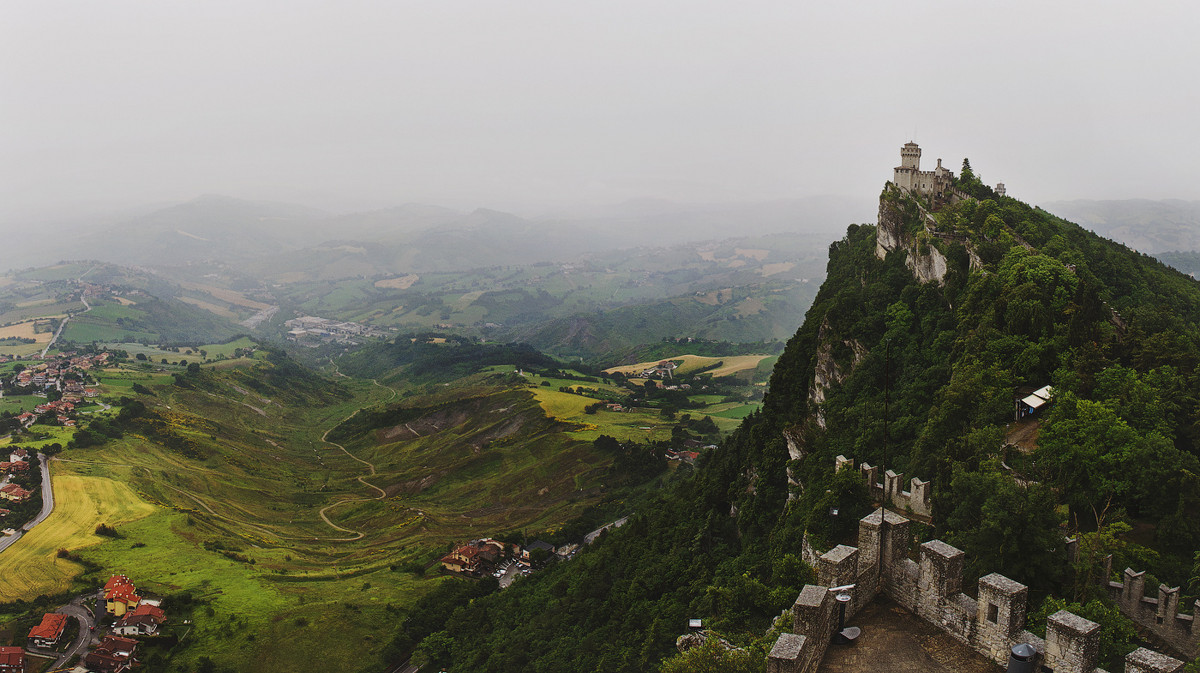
x=358, y=535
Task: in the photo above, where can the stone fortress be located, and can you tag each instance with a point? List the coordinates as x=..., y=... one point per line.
x=908, y=176
x=936, y=185
x=931, y=588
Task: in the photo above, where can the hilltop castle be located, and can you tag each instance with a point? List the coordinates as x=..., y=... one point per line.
x=909, y=176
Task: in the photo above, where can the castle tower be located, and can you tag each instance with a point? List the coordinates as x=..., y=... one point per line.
x=910, y=166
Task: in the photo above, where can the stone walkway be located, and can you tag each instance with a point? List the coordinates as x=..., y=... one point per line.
x=897, y=641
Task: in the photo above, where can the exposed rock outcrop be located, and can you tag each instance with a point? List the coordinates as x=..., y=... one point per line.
x=926, y=262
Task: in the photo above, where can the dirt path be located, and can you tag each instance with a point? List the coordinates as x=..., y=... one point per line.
x=361, y=479
x=357, y=535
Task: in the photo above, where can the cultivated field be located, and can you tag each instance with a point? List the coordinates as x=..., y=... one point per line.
x=730, y=365
x=401, y=283
x=31, y=566
x=210, y=307
x=227, y=296
x=25, y=330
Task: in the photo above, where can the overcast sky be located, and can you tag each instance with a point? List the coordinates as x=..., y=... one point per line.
x=516, y=103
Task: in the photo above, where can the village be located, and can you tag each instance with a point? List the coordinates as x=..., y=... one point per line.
x=506, y=561
x=106, y=638
x=61, y=380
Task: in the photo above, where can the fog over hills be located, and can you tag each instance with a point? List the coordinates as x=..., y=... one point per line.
x=419, y=237
x=1142, y=224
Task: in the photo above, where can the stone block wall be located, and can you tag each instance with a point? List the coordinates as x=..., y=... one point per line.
x=1159, y=615
x=932, y=589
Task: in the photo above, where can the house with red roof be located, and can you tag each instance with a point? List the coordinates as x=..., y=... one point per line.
x=12, y=660
x=140, y=621
x=13, y=467
x=49, y=631
x=112, y=655
x=472, y=556
x=14, y=493
x=120, y=595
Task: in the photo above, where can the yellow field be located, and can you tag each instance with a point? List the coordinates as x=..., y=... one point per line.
x=758, y=254
x=778, y=267
x=210, y=307
x=561, y=405
x=6, y=280
x=31, y=566
x=125, y=302
x=400, y=283
x=732, y=364
x=24, y=330
x=227, y=296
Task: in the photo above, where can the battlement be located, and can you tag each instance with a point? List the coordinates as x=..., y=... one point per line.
x=931, y=588
x=917, y=499
x=1159, y=615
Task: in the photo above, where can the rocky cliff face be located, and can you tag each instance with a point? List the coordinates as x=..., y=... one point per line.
x=926, y=262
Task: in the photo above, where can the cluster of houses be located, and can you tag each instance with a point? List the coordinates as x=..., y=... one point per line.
x=138, y=616
x=314, y=330
x=17, y=463
x=52, y=372
x=478, y=557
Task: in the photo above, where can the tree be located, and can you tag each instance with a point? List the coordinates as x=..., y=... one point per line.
x=140, y=356
x=1006, y=528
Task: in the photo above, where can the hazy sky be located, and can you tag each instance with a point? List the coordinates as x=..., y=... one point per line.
x=514, y=103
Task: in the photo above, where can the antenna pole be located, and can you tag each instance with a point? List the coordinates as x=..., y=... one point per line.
x=887, y=385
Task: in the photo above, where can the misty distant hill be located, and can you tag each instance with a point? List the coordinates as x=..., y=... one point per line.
x=1144, y=225
x=209, y=227
x=291, y=242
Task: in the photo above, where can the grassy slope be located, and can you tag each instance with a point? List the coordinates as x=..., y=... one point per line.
x=489, y=461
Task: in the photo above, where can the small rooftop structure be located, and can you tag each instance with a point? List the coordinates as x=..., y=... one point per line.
x=1033, y=402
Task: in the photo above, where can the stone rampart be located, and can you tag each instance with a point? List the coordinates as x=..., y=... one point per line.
x=931, y=588
x=891, y=490
x=1159, y=615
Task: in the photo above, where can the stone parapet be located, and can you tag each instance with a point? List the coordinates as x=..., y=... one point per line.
x=1159, y=615
x=1142, y=660
x=917, y=499
x=932, y=589
x=1072, y=643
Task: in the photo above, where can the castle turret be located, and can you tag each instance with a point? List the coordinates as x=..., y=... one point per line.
x=910, y=156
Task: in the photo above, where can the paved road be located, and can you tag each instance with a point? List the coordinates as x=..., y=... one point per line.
x=79, y=610
x=63, y=324
x=47, y=506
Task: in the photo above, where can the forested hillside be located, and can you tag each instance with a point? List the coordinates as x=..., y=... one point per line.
x=1025, y=300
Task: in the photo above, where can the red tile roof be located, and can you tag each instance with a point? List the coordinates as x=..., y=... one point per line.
x=12, y=656
x=116, y=580
x=51, y=627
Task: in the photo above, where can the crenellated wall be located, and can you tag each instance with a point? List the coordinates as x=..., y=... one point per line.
x=931, y=587
x=1161, y=615
x=917, y=499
